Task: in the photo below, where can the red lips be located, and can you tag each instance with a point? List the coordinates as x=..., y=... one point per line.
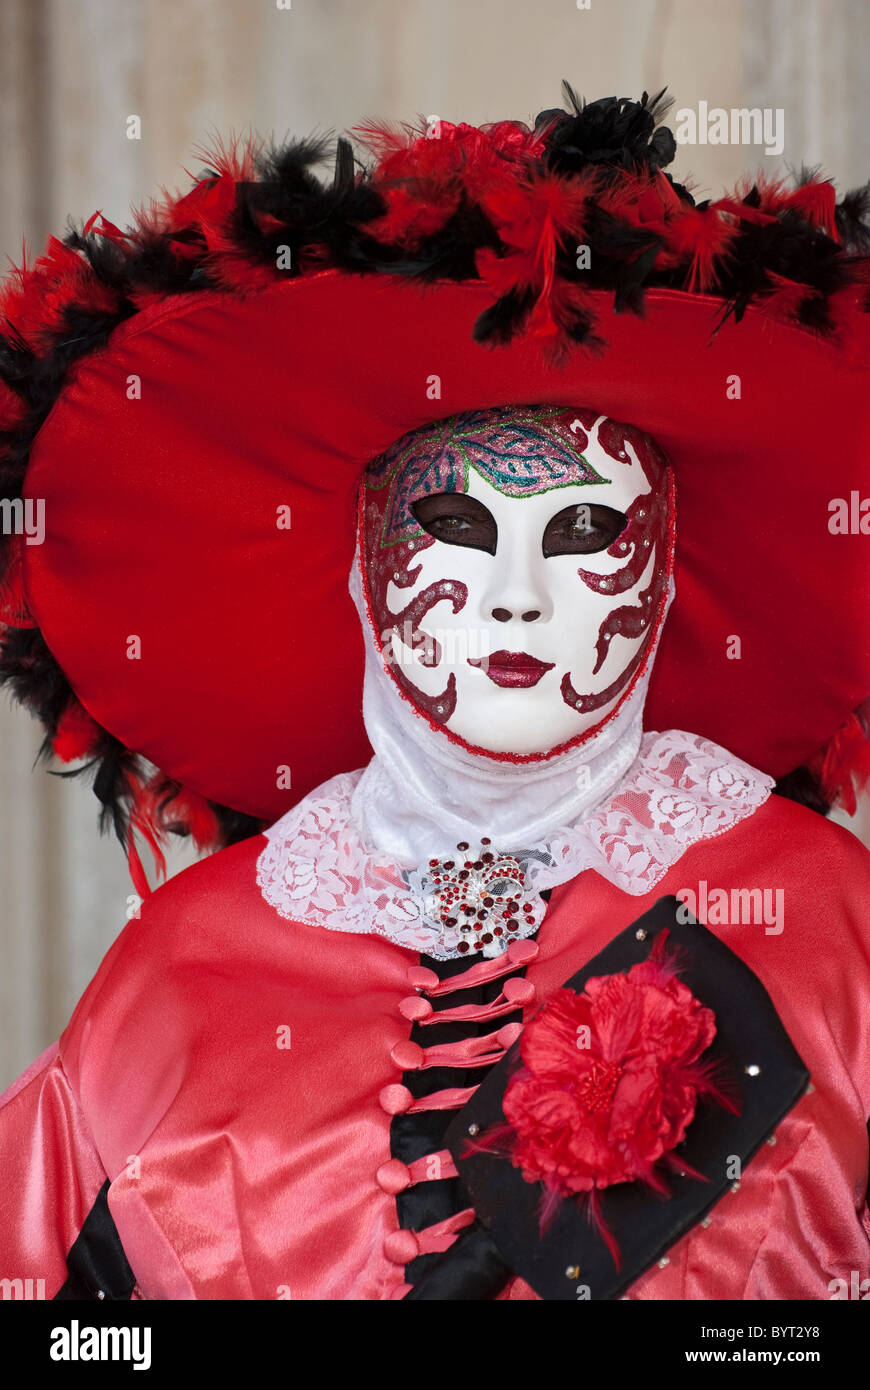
x=515, y=670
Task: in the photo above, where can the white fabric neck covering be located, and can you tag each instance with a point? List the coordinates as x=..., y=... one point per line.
x=422, y=793
x=355, y=855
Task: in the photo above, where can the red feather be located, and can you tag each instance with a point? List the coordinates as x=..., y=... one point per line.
x=703, y=238
x=35, y=298
x=535, y=218
x=142, y=821
x=816, y=201
x=233, y=158
x=158, y=809
x=786, y=298
x=386, y=138
x=843, y=765
x=77, y=734
x=192, y=813
x=101, y=226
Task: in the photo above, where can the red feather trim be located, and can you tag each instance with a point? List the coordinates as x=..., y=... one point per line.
x=411, y=215
x=135, y=868
x=642, y=200
x=816, y=202
x=733, y=207
x=771, y=190
x=422, y=175
x=77, y=734
x=101, y=226
x=160, y=808
x=190, y=813
x=142, y=822
x=535, y=218
x=702, y=238
x=786, y=297
x=34, y=299
x=386, y=138
x=233, y=158
x=843, y=765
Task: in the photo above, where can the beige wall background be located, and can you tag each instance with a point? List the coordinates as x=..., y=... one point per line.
x=72, y=71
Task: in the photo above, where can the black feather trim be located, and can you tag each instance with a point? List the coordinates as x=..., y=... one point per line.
x=802, y=786
x=503, y=319
x=853, y=219
x=611, y=134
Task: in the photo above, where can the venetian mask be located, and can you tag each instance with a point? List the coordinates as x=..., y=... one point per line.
x=516, y=566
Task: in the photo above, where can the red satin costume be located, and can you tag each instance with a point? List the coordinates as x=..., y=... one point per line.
x=264, y=1171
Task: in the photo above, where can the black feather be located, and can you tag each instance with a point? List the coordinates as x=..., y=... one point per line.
x=502, y=320
x=611, y=134
x=802, y=786
x=853, y=219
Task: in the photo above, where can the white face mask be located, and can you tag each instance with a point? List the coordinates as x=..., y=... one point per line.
x=517, y=564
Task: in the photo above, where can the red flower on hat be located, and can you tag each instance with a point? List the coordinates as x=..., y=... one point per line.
x=609, y=1085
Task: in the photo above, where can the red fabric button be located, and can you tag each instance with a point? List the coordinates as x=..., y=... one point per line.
x=401, y=1247
x=419, y=977
x=507, y=1036
x=414, y=1008
x=395, y=1099
x=521, y=952
x=408, y=1056
x=393, y=1176
x=519, y=991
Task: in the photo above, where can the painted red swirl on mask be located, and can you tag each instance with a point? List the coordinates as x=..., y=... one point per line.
x=386, y=565
x=406, y=625
x=628, y=621
x=644, y=536
x=585, y=704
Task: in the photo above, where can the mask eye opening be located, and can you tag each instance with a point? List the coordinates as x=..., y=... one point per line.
x=583, y=529
x=455, y=518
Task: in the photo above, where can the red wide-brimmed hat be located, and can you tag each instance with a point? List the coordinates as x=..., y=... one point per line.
x=193, y=401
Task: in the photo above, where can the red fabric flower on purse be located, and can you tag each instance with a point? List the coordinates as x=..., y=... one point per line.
x=609, y=1085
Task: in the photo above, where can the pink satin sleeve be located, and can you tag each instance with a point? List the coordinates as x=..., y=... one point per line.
x=51, y=1175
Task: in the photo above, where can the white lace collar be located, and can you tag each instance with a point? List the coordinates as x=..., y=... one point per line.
x=317, y=869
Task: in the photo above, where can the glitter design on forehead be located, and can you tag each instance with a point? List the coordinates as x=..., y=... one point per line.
x=520, y=451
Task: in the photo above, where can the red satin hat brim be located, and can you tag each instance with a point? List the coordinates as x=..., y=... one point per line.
x=161, y=515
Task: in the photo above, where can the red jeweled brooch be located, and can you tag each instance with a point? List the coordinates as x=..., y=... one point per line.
x=478, y=898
